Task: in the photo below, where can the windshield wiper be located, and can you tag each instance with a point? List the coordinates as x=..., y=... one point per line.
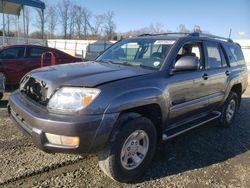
x=147, y=67
x=125, y=63
x=104, y=61
x=121, y=63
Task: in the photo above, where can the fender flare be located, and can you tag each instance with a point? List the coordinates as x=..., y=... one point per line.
x=138, y=98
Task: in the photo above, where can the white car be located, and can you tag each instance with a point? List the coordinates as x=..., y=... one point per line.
x=2, y=85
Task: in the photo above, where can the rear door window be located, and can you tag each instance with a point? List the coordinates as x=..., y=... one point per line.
x=12, y=53
x=35, y=52
x=214, y=59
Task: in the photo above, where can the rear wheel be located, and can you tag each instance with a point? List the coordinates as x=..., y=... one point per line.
x=229, y=110
x=130, y=153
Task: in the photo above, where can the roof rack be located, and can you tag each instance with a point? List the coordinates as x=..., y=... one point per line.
x=171, y=33
x=197, y=34
x=194, y=34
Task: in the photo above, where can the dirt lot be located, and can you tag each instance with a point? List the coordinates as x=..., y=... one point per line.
x=205, y=157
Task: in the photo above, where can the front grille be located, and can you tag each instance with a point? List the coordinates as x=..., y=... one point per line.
x=35, y=89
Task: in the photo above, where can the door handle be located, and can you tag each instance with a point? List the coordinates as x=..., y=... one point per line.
x=205, y=76
x=227, y=72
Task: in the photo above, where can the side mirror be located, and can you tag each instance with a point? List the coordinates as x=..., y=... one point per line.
x=187, y=63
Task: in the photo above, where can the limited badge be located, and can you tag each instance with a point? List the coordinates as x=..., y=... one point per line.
x=166, y=42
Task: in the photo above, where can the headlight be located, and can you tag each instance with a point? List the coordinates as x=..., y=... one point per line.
x=72, y=99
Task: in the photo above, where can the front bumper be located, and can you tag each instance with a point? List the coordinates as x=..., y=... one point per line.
x=34, y=121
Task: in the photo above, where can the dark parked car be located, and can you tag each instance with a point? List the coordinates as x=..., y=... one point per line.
x=17, y=60
x=138, y=92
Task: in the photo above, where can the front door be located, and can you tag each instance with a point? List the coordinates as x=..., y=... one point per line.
x=189, y=89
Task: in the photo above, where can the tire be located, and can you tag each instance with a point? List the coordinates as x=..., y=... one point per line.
x=1, y=96
x=112, y=158
x=227, y=115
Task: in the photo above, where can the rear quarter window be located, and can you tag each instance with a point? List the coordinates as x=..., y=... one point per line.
x=235, y=55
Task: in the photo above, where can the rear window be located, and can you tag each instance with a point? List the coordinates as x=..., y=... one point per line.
x=235, y=55
x=35, y=52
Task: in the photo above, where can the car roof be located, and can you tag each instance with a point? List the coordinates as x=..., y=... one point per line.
x=23, y=45
x=159, y=37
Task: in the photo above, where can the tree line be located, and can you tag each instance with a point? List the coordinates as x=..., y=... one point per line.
x=64, y=20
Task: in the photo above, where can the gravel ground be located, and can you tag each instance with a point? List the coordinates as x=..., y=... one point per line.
x=205, y=157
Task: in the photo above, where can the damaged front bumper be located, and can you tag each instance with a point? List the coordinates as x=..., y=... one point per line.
x=92, y=130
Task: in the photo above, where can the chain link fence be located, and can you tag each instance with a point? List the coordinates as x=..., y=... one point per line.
x=15, y=40
x=87, y=49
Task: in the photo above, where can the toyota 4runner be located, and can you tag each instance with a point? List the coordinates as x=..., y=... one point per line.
x=139, y=91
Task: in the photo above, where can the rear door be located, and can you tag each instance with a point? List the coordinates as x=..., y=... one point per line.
x=218, y=72
x=13, y=64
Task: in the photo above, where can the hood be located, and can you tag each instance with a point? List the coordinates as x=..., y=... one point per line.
x=87, y=74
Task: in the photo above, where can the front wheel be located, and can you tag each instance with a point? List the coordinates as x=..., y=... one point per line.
x=229, y=110
x=130, y=153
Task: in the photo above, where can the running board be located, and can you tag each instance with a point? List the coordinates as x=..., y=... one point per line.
x=175, y=131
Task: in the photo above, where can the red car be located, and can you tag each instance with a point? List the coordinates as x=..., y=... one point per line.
x=17, y=60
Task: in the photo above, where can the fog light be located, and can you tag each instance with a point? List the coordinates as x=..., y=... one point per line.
x=70, y=141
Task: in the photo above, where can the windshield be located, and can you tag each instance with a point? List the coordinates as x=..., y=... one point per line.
x=148, y=53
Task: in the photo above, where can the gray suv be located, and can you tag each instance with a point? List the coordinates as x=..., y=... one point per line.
x=140, y=91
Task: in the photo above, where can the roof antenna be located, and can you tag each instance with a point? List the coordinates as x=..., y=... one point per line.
x=230, y=32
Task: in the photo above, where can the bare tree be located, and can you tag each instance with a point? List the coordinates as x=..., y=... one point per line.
x=156, y=28
x=109, y=26
x=8, y=24
x=97, y=23
x=78, y=20
x=182, y=28
x=41, y=19
x=27, y=20
x=72, y=20
x=64, y=14
x=86, y=21
x=51, y=20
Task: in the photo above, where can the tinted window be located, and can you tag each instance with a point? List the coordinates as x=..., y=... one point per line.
x=224, y=61
x=214, y=57
x=12, y=53
x=191, y=49
x=36, y=52
x=235, y=55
